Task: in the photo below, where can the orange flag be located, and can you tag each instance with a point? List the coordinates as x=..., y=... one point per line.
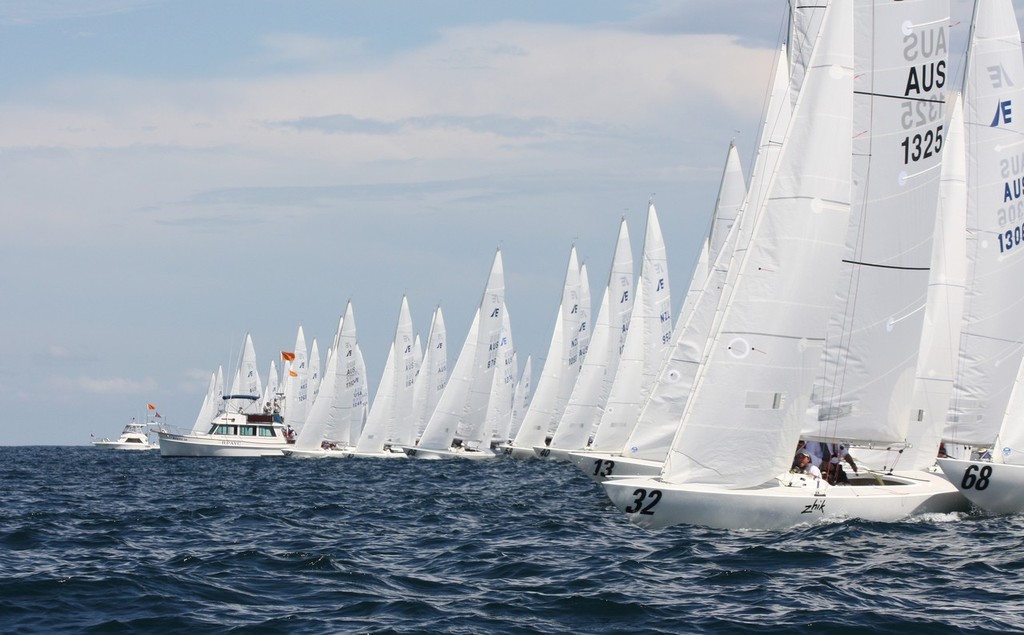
x=293, y=373
x=286, y=356
x=151, y=406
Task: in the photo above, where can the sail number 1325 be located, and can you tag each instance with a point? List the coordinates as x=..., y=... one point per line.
x=922, y=146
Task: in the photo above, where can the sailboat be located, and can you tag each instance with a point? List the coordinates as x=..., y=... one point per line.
x=340, y=404
x=432, y=373
x=647, y=341
x=390, y=425
x=211, y=402
x=590, y=395
x=641, y=450
x=134, y=436
x=500, y=406
x=728, y=463
x=465, y=399
x=559, y=374
x=985, y=420
x=296, y=386
x=521, y=398
x=241, y=429
x=310, y=442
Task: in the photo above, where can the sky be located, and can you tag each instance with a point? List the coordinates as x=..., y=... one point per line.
x=174, y=175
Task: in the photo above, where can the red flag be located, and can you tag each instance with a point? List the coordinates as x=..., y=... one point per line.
x=286, y=356
x=151, y=406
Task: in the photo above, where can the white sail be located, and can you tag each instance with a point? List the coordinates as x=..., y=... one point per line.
x=390, y=420
x=585, y=328
x=521, y=400
x=432, y=375
x=296, y=383
x=590, y=394
x=503, y=386
x=870, y=357
x=374, y=435
x=209, y=408
x=246, y=389
x=322, y=413
x=805, y=25
x=942, y=319
x=743, y=418
x=219, y=391
x=418, y=351
x=271, y=399
x=560, y=368
x=314, y=374
x=992, y=340
x=360, y=396
x=647, y=341
x=349, y=404
x=464, y=400
x=732, y=190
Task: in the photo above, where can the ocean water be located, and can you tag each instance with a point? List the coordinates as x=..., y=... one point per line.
x=95, y=541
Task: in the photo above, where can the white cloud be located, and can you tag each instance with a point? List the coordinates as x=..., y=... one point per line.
x=483, y=100
x=111, y=385
x=298, y=47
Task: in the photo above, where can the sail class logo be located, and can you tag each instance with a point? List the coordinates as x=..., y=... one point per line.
x=1004, y=113
x=999, y=77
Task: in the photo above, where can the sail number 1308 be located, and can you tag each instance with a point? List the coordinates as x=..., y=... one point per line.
x=922, y=146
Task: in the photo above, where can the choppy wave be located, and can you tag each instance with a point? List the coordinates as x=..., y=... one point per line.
x=101, y=541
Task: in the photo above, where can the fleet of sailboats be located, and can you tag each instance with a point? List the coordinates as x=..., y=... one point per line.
x=851, y=298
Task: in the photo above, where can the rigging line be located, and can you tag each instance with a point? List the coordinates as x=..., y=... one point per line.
x=937, y=102
x=871, y=264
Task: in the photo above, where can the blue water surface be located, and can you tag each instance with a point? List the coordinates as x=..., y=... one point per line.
x=99, y=541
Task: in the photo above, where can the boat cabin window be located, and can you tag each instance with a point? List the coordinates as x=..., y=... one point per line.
x=247, y=431
x=266, y=431
x=232, y=430
x=134, y=440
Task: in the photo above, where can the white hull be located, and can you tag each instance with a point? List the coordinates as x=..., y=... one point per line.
x=135, y=436
x=209, y=445
x=461, y=453
x=124, y=445
x=790, y=500
x=997, y=488
x=600, y=466
x=393, y=453
x=517, y=452
x=554, y=454
x=319, y=453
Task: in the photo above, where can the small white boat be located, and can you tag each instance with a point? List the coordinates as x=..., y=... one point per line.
x=135, y=436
